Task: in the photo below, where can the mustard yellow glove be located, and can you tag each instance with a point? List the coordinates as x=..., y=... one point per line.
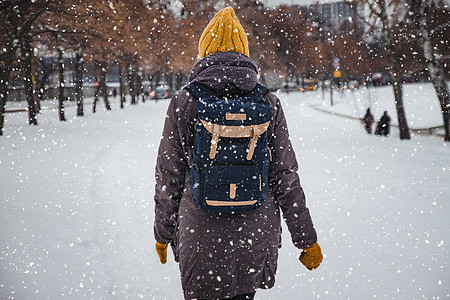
x=161, y=249
x=311, y=257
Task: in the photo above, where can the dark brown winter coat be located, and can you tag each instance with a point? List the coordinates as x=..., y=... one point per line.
x=368, y=121
x=222, y=255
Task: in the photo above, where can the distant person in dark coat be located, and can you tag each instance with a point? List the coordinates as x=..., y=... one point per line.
x=384, y=125
x=368, y=121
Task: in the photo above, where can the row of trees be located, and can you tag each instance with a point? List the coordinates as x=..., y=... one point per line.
x=413, y=33
x=160, y=37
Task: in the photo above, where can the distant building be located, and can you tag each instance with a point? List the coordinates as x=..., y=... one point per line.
x=333, y=20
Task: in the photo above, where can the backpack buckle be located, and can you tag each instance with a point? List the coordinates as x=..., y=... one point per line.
x=214, y=141
x=252, y=144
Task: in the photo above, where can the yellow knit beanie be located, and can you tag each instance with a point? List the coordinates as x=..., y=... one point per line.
x=223, y=33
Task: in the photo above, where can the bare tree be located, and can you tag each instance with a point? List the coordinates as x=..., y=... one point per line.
x=23, y=23
x=43, y=69
x=60, y=63
x=121, y=87
x=79, y=80
x=384, y=16
x=17, y=18
x=27, y=64
x=420, y=11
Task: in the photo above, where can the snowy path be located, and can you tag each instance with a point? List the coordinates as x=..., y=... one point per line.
x=380, y=206
x=76, y=209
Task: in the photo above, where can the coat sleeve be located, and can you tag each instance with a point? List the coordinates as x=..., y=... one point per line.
x=170, y=173
x=284, y=181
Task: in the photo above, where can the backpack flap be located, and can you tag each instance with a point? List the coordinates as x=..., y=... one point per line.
x=233, y=111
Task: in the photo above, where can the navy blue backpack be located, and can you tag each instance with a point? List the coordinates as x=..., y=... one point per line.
x=230, y=163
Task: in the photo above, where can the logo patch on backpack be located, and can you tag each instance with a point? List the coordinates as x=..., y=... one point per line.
x=230, y=162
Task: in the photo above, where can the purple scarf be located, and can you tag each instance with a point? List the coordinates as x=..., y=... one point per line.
x=220, y=69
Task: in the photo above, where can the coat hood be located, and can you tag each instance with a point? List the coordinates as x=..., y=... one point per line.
x=224, y=68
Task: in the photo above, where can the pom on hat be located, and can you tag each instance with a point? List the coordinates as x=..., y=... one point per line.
x=223, y=33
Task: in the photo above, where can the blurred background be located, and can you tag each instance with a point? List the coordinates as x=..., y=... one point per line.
x=68, y=50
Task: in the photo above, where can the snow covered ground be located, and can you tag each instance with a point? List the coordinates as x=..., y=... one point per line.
x=421, y=103
x=76, y=205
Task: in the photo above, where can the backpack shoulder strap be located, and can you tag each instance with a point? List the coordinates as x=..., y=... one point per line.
x=199, y=90
x=260, y=90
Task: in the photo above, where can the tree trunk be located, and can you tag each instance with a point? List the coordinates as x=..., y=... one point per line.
x=42, y=73
x=398, y=95
x=331, y=92
x=141, y=88
x=323, y=88
x=36, y=91
x=62, y=116
x=40, y=89
x=433, y=63
x=402, y=122
x=4, y=81
x=96, y=88
x=136, y=86
x=121, y=88
x=28, y=74
x=394, y=69
x=37, y=101
x=156, y=79
x=170, y=82
x=131, y=85
x=104, y=88
x=179, y=81
x=79, y=82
